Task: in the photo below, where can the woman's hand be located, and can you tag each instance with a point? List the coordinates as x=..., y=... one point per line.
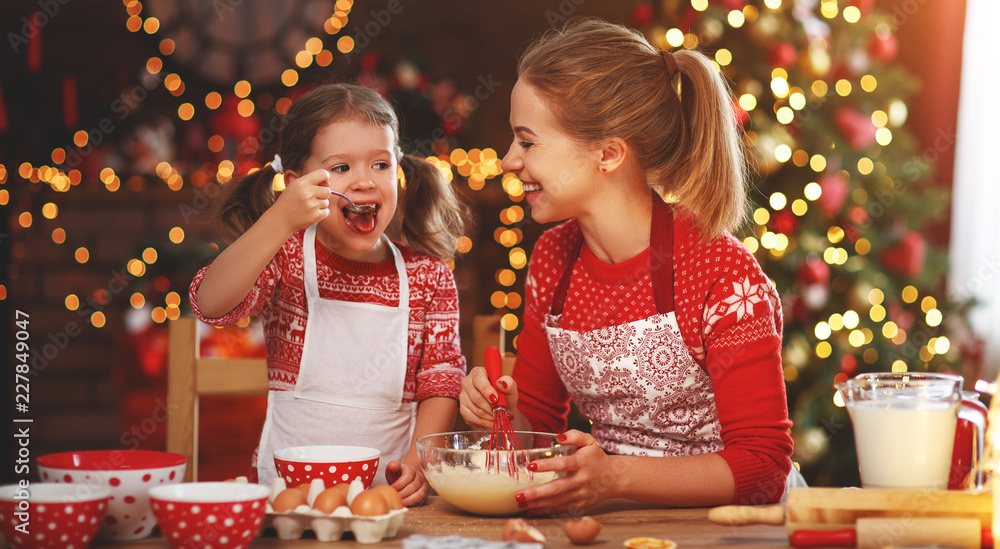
x=304, y=202
x=590, y=478
x=408, y=480
x=478, y=397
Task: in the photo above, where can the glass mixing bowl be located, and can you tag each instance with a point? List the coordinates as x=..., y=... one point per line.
x=463, y=471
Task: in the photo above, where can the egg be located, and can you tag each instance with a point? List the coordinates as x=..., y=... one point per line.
x=343, y=488
x=369, y=504
x=328, y=500
x=582, y=530
x=287, y=500
x=518, y=529
x=304, y=488
x=390, y=494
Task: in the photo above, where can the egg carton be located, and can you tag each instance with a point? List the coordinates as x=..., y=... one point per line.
x=293, y=523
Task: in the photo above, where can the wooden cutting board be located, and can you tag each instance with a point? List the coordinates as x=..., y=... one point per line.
x=839, y=508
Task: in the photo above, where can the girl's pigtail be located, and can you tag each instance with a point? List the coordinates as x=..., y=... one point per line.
x=709, y=172
x=243, y=200
x=433, y=214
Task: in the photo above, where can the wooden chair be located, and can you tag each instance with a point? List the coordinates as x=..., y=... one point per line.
x=190, y=377
x=486, y=331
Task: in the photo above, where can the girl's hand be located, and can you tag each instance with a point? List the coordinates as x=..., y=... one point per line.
x=305, y=200
x=590, y=478
x=478, y=397
x=408, y=480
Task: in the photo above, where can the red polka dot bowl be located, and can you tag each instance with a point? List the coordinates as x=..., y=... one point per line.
x=221, y=515
x=40, y=515
x=333, y=464
x=129, y=474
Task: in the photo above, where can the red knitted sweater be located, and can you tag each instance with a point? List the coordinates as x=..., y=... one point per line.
x=435, y=365
x=729, y=316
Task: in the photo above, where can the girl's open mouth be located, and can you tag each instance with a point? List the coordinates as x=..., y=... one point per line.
x=361, y=222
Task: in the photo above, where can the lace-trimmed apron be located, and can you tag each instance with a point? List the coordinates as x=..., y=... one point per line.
x=637, y=381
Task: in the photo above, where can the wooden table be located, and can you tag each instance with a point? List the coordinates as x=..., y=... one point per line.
x=620, y=520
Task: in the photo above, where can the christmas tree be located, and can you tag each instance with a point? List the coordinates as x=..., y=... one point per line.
x=839, y=195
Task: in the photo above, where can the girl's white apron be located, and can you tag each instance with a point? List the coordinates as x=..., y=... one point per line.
x=349, y=389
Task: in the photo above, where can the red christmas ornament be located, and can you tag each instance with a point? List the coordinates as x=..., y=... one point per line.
x=369, y=61
x=70, y=118
x=813, y=271
x=239, y=132
x=906, y=257
x=848, y=364
x=864, y=6
x=35, y=44
x=857, y=215
x=902, y=317
x=641, y=15
x=855, y=127
x=782, y=54
x=742, y=116
x=883, y=47
x=784, y=222
x=732, y=4
x=4, y=122
x=834, y=187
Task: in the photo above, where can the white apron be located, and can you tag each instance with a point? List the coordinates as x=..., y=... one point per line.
x=638, y=382
x=350, y=384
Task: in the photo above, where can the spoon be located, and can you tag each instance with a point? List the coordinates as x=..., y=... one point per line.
x=361, y=209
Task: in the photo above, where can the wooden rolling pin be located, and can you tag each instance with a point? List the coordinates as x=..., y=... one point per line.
x=870, y=533
x=841, y=508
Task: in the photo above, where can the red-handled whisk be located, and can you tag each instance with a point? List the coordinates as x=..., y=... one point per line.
x=502, y=438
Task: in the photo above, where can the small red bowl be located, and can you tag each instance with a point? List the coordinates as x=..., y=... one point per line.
x=221, y=515
x=333, y=464
x=129, y=474
x=51, y=516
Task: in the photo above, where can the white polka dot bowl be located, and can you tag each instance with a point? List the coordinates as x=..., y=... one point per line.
x=333, y=464
x=129, y=474
x=221, y=515
x=51, y=516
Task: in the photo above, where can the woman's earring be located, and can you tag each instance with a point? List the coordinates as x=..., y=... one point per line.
x=603, y=169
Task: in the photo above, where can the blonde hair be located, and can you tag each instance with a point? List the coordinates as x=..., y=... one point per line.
x=605, y=80
x=433, y=216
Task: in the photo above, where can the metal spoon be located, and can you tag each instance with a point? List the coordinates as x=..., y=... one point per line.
x=361, y=209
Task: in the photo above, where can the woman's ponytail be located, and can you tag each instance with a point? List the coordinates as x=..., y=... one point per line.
x=433, y=214
x=243, y=201
x=708, y=173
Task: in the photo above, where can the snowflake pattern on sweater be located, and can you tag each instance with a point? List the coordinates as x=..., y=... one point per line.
x=729, y=317
x=435, y=365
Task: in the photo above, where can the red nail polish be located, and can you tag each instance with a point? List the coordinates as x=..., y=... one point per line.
x=494, y=399
x=503, y=384
x=532, y=466
x=520, y=498
x=561, y=438
x=521, y=505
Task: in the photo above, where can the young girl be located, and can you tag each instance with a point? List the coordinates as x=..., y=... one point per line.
x=654, y=319
x=361, y=333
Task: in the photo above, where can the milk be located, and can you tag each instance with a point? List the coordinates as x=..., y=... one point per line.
x=904, y=444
